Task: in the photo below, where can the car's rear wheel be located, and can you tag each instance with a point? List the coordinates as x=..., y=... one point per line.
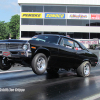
x=4, y=64
x=52, y=70
x=84, y=69
x=39, y=63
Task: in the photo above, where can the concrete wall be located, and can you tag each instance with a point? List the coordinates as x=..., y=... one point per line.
x=59, y=28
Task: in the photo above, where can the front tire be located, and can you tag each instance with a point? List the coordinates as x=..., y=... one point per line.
x=39, y=63
x=4, y=64
x=84, y=69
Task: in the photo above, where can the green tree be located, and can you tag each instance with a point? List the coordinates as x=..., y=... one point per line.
x=8, y=30
x=3, y=34
x=14, y=26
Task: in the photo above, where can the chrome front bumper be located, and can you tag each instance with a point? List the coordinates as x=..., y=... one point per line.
x=15, y=53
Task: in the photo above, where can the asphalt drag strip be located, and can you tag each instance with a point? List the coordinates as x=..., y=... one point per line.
x=64, y=85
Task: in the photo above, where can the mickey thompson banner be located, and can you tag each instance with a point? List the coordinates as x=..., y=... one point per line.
x=31, y=15
x=77, y=16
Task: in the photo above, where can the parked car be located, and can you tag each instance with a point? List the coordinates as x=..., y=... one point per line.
x=47, y=52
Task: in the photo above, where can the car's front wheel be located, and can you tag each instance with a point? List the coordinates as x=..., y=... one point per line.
x=4, y=64
x=39, y=63
x=84, y=69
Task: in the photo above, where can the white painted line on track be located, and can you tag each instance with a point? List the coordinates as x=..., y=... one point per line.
x=14, y=71
x=94, y=97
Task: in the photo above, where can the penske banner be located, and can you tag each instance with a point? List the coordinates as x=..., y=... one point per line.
x=55, y=15
x=31, y=15
x=77, y=16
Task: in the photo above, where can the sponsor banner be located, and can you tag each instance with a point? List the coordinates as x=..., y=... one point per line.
x=83, y=42
x=55, y=15
x=31, y=15
x=77, y=16
x=94, y=42
x=89, y=42
x=95, y=16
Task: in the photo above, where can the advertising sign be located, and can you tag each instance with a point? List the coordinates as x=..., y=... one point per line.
x=94, y=42
x=83, y=42
x=86, y=43
x=89, y=42
x=31, y=15
x=95, y=16
x=55, y=15
x=77, y=16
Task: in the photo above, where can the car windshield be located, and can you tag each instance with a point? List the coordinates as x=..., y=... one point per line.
x=46, y=38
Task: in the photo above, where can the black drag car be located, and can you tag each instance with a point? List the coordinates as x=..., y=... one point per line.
x=47, y=52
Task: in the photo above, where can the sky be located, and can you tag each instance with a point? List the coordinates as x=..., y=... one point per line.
x=8, y=8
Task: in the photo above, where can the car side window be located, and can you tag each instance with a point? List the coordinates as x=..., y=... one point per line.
x=62, y=42
x=77, y=47
x=67, y=43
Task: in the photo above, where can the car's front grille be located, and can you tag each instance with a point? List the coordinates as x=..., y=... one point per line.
x=11, y=46
x=2, y=46
x=14, y=46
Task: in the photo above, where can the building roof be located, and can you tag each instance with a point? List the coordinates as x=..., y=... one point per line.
x=60, y=2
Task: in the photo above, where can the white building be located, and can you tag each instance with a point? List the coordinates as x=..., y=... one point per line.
x=80, y=19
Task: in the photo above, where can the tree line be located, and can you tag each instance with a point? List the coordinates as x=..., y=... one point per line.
x=10, y=29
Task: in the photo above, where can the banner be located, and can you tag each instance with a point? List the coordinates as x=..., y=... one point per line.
x=94, y=42
x=89, y=42
x=77, y=16
x=95, y=16
x=83, y=42
x=31, y=15
x=55, y=15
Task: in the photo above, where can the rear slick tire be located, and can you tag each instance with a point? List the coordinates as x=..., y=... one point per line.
x=39, y=63
x=84, y=69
